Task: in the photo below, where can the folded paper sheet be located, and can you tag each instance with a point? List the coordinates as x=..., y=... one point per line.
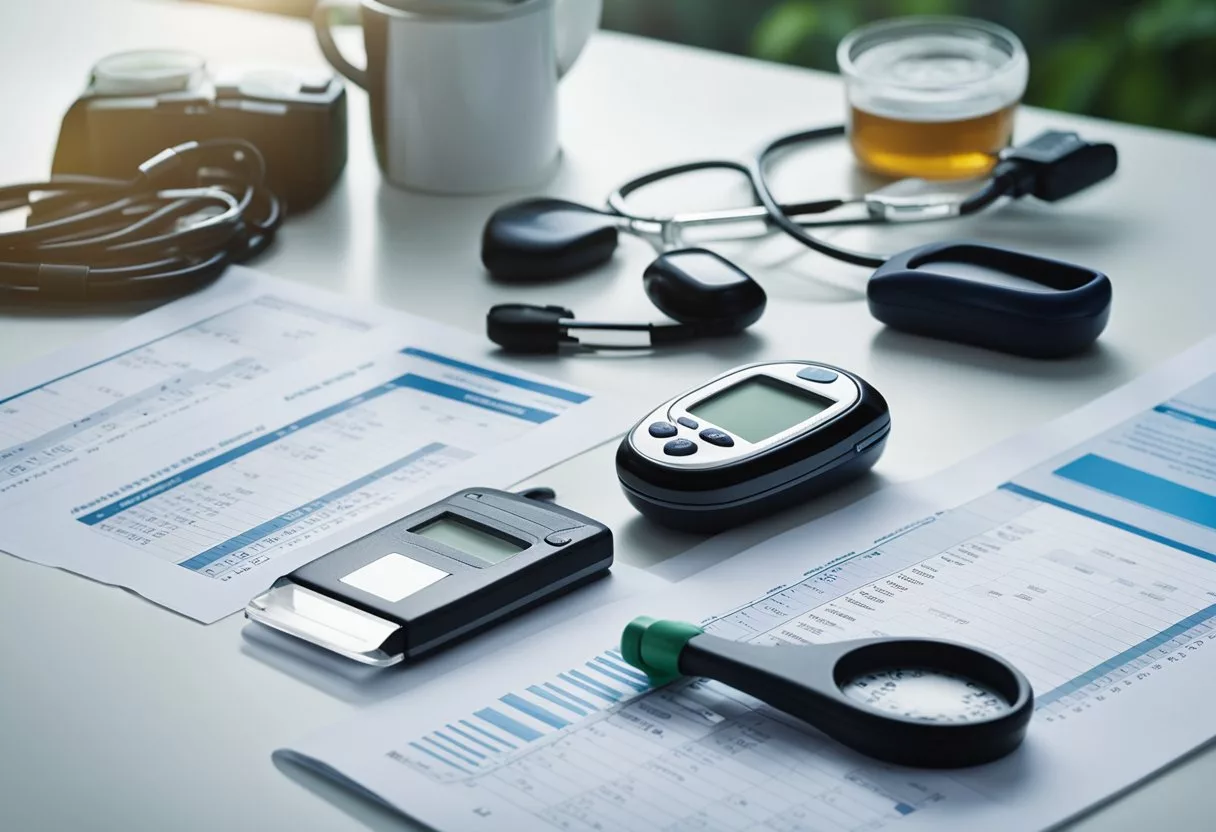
x=198, y=452
x=1093, y=570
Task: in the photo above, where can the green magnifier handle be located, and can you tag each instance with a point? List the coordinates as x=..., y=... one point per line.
x=653, y=646
x=797, y=680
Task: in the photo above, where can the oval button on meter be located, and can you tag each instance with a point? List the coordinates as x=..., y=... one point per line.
x=821, y=375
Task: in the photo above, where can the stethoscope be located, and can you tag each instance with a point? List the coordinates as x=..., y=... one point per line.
x=172, y=228
x=909, y=701
x=547, y=239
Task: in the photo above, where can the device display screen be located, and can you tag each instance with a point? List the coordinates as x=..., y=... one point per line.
x=463, y=536
x=760, y=407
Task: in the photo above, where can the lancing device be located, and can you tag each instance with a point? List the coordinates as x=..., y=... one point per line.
x=439, y=574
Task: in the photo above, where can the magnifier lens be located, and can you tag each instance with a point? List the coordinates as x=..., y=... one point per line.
x=926, y=693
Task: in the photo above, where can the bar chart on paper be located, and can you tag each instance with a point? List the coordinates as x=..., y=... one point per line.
x=1088, y=605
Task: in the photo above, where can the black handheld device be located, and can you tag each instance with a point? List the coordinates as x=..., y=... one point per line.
x=755, y=439
x=930, y=291
x=437, y=575
x=138, y=103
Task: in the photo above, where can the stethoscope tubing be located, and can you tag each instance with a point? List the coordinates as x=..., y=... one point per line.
x=793, y=219
x=778, y=217
x=617, y=200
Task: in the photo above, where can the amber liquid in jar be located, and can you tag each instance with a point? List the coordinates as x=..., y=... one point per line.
x=958, y=149
x=931, y=97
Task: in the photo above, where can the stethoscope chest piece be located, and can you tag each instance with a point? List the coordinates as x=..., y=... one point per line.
x=909, y=701
x=992, y=297
x=546, y=239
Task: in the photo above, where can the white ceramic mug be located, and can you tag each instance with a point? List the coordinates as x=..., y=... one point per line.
x=464, y=92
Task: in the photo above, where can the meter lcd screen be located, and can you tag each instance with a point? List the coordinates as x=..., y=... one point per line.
x=760, y=407
x=451, y=530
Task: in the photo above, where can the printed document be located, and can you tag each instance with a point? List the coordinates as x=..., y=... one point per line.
x=1085, y=553
x=200, y=451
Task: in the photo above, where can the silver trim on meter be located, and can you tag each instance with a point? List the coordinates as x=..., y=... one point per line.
x=843, y=390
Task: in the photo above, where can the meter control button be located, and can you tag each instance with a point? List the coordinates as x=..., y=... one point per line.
x=680, y=447
x=718, y=437
x=662, y=430
x=821, y=375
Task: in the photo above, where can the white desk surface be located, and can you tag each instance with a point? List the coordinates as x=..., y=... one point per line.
x=118, y=715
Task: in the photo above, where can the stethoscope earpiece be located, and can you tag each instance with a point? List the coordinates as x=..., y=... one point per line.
x=526, y=328
x=703, y=292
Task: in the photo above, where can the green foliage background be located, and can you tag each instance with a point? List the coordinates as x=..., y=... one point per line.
x=1143, y=61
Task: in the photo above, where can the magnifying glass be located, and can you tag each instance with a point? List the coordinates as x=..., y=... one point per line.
x=910, y=701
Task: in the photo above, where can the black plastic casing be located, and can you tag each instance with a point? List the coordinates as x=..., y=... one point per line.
x=698, y=287
x=474, y=595
x=525, y=328
x=907, y=294
x=1057, y=164
x=711, y=500
x=805, y=681
x=543, y=239
x=302, y=135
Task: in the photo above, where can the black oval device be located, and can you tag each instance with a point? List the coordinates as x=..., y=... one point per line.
x=749, y=442
x=976, y=294
x=696, y=286
x=546, y=239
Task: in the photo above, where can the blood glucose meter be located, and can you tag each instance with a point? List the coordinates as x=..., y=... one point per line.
x=436, y=575
x=749, y=442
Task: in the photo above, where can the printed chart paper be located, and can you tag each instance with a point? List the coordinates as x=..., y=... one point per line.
x=1094, y=571
x=200, y=451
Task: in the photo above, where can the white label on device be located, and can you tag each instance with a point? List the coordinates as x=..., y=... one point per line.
x=394, y=577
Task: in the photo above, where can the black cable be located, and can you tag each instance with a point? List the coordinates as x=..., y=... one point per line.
x=995, y=188
x=778, y=216
x=819, y=206
x=171, y=229
x=1053, y=165
x=1050, y=167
